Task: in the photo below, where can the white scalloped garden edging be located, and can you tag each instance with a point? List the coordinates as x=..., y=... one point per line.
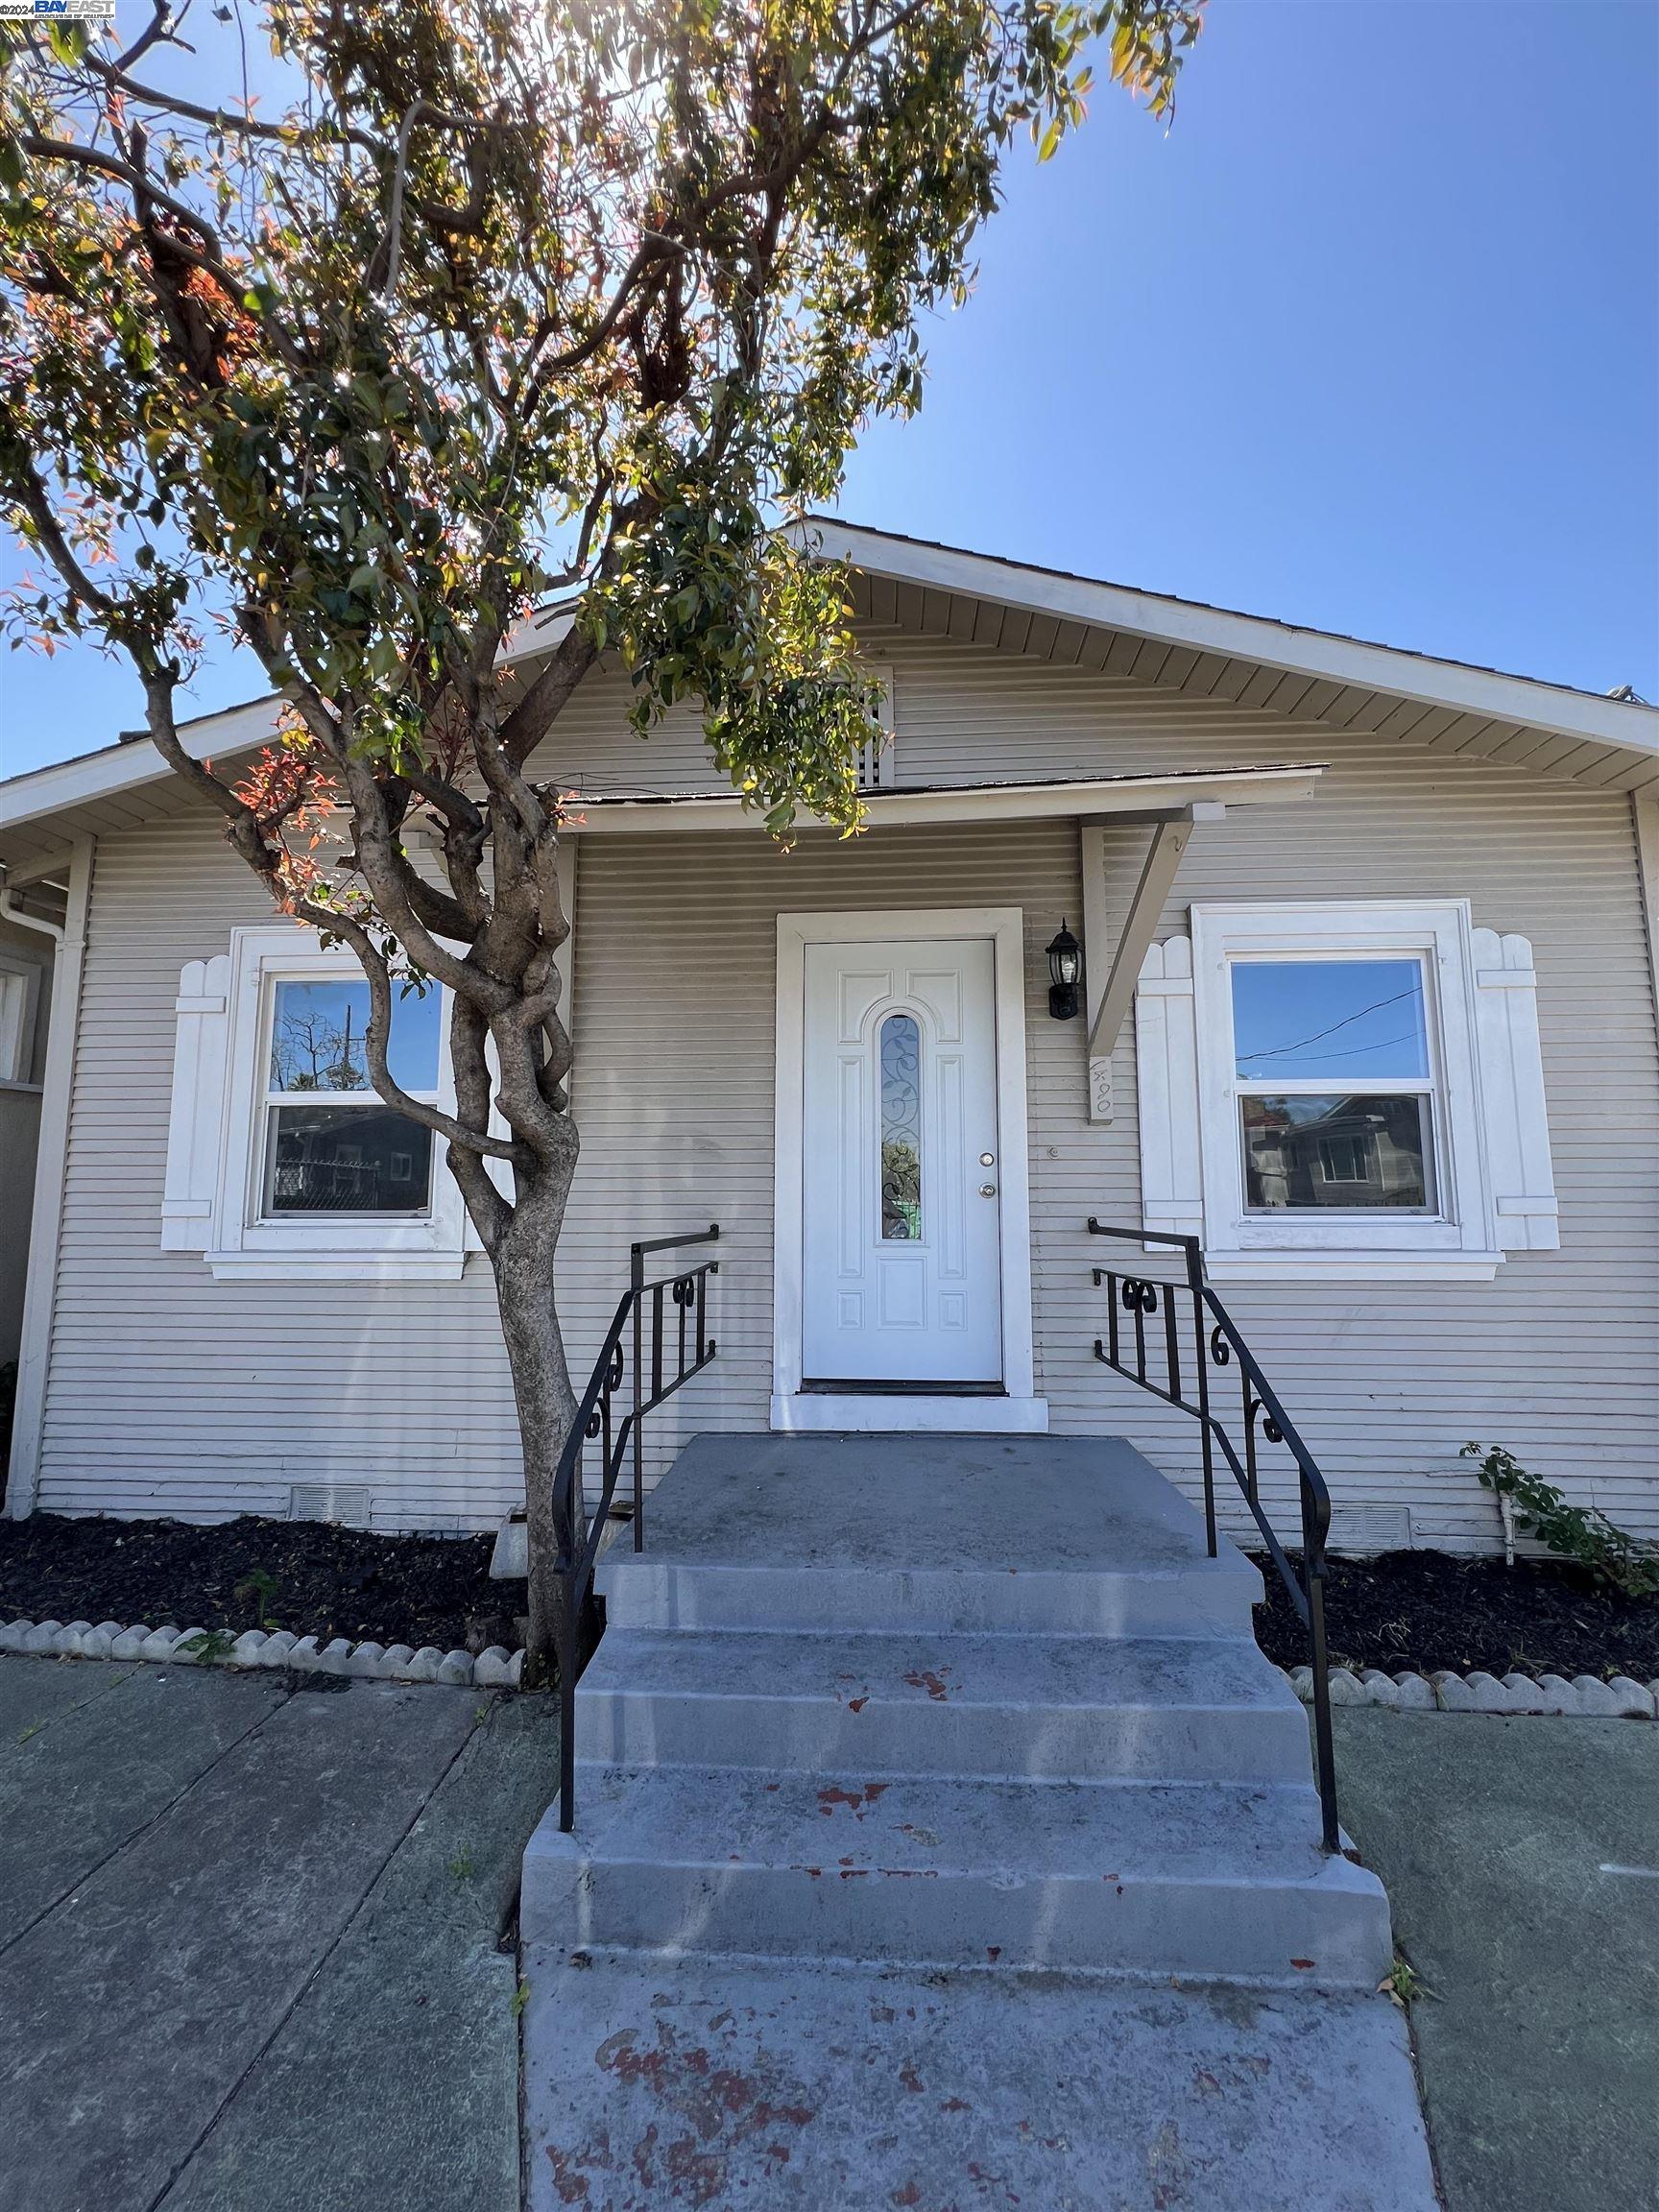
x=1585, y=1696
x=496, y=1668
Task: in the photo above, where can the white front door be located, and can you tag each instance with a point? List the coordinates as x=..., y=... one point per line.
x=901, y=1238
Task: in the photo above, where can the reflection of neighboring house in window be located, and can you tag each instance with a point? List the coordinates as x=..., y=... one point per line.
x=1345, y=1159
x=1349, y=1155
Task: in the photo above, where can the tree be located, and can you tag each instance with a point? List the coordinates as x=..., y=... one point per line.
x=504, y=304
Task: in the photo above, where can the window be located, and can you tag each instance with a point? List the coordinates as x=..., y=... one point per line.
x=901, y=1129
x=1336, y=1099
x=282, y=1159
x=1332, y=1088
x=332, y=1145
x=20, y=979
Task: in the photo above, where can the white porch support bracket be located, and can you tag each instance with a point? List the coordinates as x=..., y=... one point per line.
x=1169, y=841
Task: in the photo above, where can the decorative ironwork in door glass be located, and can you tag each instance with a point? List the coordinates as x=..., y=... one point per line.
x=901, y=1129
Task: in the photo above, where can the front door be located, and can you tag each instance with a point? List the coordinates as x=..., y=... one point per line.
x=901, y=1259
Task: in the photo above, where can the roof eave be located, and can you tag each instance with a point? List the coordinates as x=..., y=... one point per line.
x=1313, y=653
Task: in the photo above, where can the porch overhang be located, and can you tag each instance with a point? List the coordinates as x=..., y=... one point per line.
x=1162, y=796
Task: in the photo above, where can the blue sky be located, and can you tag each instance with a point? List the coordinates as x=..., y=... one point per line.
x=1368, y=341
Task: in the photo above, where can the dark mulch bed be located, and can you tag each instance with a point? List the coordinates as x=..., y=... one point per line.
x=1418, y=1610
x=1422, y=1611
x=307, y=1576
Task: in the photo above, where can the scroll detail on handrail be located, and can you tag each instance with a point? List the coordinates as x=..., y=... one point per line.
x=657, y=1339
x=1156, y=1311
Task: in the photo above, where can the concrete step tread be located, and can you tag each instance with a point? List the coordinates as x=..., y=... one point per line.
x=1015, y=1832
x=1197, y=1598
x=924, y=1669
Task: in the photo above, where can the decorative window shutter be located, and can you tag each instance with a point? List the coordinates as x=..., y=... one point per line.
x=1517, y=1125
x=199, y=1072
x=1167, y=1082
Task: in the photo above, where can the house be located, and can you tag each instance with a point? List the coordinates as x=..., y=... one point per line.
x=1367, y=1006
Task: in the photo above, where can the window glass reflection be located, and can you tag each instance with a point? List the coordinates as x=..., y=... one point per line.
x=901, y=1129
x=319, y=1031
x=1330, y=1020
x=1336, y=1150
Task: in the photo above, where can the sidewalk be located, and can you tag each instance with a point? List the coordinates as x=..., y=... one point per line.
x=247, y=1940
x=1521, y=1859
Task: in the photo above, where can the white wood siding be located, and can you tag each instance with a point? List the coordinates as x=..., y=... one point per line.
x=170, y=1392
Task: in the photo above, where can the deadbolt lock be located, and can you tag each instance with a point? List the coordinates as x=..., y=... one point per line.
x=987, y=1158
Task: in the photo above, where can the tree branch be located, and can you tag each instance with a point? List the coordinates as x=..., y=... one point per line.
x=547, y=694
x=377, y=971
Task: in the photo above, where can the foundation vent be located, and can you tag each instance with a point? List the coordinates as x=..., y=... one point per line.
x=346, y=1503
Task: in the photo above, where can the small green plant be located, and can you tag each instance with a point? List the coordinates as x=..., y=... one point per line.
x=1579, y=1532
x=461, y=1866
x=209, y=1647
x=521, y=1998
x=34, y=1729
x=257, y=1590
x=1403, y=1985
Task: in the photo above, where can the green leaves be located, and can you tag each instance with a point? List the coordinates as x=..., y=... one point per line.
x=1579, y=1532
x=480, y=317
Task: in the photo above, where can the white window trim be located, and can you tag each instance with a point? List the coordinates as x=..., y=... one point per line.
x=1493, y=1182
x=243, y=1246
x=19, y=1018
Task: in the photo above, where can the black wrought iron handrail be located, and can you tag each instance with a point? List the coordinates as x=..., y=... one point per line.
x=655, y=1355
x=1217, y=1343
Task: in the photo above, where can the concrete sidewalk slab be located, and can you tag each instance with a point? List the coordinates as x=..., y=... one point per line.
x=711, y=2082
x=134, y=2010
x=395, y=2081
x=102, y=1754
x=31, y=1697
x=1522, y=1856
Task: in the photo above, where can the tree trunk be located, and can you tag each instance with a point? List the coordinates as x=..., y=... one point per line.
x=545, y=1403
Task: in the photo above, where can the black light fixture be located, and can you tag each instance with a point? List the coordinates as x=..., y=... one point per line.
x=1066, y=973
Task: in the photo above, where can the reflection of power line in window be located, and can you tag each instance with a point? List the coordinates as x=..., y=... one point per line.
x=1272, y=1051
x=1348, y=1051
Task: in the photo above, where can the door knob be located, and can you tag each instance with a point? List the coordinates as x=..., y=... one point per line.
x=987, y=1189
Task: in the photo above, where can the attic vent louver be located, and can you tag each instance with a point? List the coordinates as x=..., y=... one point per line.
x=874, y=769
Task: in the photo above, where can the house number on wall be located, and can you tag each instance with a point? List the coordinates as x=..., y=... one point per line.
x=1099, y=1090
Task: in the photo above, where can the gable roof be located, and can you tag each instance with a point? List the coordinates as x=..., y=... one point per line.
x=1312, y=676
x=1213, y=652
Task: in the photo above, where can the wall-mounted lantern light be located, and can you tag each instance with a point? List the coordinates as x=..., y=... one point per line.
x=1066, y=973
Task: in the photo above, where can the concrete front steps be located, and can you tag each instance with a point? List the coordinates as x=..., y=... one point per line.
x=943, y=1701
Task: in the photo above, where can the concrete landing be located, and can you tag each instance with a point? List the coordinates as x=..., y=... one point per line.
x=725, y=2086
x=1016, y=1502
x=965, y=1534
